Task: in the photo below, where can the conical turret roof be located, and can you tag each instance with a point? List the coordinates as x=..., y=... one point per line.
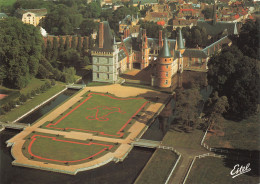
x=165, y=51
x=180, y=43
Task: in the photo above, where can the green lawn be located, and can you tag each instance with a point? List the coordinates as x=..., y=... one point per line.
x=7, y=2
x=34, y=84
x=184, y=140
x=27, y=106
x=238, y=135
x=56, y=149
x=215, y=170
x=158, y=168
x=98, y=113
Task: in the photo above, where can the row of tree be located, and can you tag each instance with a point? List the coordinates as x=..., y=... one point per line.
x=24, y=97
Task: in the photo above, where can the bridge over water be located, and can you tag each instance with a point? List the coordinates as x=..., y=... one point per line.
x=150, y=144
x=11, y=125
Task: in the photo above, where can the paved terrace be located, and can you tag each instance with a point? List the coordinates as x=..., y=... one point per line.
x=125, y=147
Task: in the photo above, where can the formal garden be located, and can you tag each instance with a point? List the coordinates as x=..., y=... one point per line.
x=99, y=113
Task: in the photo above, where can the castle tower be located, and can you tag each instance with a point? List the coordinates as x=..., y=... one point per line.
x=180, y=43
x=105, y=56
x=181, y=48
x=164, y=66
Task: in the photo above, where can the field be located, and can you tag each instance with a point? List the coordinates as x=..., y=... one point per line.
x=215, y=170
x=99, y=113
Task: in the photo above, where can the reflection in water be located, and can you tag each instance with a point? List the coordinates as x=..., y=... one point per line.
x=47, y=107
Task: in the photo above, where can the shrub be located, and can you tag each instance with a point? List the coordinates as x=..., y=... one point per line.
x=17, y=102
x=23, y=98
x=43, y=88
x=38, y=91
x=53, y=82
x=12, y=104
x=47, y=84
x=7, y=107
x=28, y=95
x=33, y=93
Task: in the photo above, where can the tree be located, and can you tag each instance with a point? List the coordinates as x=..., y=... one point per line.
x=187, y=108
x=248, y=40
x=70, y=58
x=208, y=13
x=67, y=43
x=62, y=20
x=43, y=73
x=79, y=44
x=214, y=109
x=197, y=39
x=55, y=49
x=93, y=10
x=20, y=51
x=84, y=45
x=61, y=46
x=87, y=27
x=236, y=76
x=73, y=42
x=48, y=54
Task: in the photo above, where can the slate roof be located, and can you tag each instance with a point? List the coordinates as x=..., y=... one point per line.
x=195, y=53
x=180, y=40
x=165, y=51
x=210, y=49
x=218, y=28
x=108, y=40
x=206, y=52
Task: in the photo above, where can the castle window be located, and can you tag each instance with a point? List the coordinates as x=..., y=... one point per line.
x=165, y=59
x=29, y=15
x=107, y=76
x=166, y=81
x=97, y=75
x=167, y=66
x=166, y=74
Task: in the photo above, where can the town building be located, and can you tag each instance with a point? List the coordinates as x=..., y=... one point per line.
x=31, y=16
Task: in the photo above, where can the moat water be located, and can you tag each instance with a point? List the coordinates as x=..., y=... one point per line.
x=113, y=173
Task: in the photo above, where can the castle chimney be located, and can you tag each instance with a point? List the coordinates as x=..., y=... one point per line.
x=101, y=35
x=160, y=39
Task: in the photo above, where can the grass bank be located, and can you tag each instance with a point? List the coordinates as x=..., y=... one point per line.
x=28, y=105
x=215, y=170
x=237, y=135
x=158, y=168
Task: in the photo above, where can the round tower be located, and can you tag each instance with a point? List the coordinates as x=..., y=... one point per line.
x=164, y=66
